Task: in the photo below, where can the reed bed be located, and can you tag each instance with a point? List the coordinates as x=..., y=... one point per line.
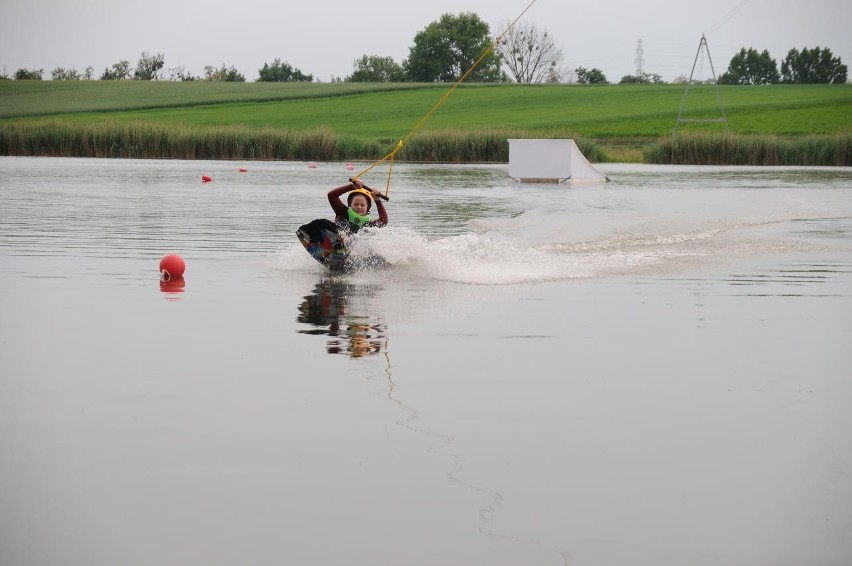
x=700, y=148
x=119, y=139
x=61, y=138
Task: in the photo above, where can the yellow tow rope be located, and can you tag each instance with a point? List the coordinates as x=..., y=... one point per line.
x=392, y=155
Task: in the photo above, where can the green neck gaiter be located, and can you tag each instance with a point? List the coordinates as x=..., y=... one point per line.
x=356, y=218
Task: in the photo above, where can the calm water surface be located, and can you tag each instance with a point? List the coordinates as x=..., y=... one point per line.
x=652, y=371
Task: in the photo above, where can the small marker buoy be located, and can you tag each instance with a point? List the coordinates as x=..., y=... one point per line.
x=243, y=169
x=206, y=179
x=350, y=166
x=312, y=165
x=172, y=266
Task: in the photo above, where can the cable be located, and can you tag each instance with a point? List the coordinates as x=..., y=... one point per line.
x=730, y=15
x=392, y=155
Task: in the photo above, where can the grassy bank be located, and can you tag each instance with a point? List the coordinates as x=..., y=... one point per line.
x=348, y=121
x=49, y=98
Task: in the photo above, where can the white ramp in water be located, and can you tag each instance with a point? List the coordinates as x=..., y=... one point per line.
x=550, y=161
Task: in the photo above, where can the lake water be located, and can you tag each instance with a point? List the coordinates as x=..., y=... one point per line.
x=654, y=371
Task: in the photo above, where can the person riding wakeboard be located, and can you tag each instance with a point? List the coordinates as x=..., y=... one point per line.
x=328, y=241
x=353, y=217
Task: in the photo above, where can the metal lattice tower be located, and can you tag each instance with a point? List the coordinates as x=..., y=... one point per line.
x=640, y=60
x=680, y=119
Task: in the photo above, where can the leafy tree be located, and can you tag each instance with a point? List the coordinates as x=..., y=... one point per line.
x=88, y=73
x=644, y=78
x=280, y=72
x=375, y=69
x=60, y=74
x=591, y=76
x=748, y=67
x=148, y=67
x=530, y=54
x=118, y=72
x=447, y=48
x=29, y=74
x=812, y=66
x=224, y=74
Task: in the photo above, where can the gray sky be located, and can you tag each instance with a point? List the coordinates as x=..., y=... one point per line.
x=323, y=37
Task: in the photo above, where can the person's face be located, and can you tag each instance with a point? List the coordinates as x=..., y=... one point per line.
x=359, y=204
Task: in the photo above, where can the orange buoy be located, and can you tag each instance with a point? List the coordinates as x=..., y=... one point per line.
x=172, y=266
x=206, y=179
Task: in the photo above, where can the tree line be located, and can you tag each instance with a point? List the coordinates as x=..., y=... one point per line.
x=446, y=48
x=808, y=66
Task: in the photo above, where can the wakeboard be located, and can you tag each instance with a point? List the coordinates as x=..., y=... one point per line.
x=323, y=240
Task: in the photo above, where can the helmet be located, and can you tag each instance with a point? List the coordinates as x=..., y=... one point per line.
x=364, y=192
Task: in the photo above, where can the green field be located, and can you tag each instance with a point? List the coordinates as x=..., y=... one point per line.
x=621, y=119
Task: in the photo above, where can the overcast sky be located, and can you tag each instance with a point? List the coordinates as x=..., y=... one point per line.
x=324, y=37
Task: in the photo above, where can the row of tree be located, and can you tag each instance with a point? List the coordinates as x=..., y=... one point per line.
x=451, y=45
x=441, y=52
x=147, y=68
x=808, y=66
x=445, y=49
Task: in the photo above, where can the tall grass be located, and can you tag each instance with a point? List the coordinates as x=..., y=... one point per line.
x=699, y=148
x=148, y=140
x=63, y=138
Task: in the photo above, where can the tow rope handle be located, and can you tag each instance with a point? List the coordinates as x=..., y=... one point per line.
x=383, y=197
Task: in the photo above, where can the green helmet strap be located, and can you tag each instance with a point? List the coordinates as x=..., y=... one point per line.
x=356, y=218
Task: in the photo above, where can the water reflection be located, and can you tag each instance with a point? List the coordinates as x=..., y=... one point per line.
x=172, y=287
x=337, y=309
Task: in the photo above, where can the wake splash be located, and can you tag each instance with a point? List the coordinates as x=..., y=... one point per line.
x=495, y=258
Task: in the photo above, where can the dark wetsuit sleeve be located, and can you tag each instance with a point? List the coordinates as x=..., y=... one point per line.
x=336, y=204
x=383, y=215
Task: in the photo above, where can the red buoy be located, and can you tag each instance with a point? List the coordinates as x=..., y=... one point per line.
x=243, y=169
x=312, y=165
x=206, y=179
x=172, y=266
